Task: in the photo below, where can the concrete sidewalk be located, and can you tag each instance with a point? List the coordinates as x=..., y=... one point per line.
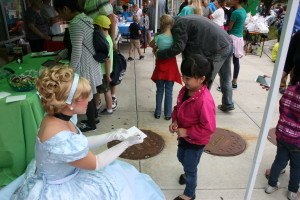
x=218, y=177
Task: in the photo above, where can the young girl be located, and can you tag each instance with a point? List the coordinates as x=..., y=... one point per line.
x=219, y=14
x=235, y=30
x=194, y=7
x=166, y=71
x=288, y=127
x=193, y=119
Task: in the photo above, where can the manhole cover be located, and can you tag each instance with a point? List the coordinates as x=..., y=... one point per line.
x=272, y=136
x=225, y=143
x=151, y=146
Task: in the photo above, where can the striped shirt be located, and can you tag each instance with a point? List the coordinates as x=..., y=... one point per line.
x=288, y=127
x=82, y=61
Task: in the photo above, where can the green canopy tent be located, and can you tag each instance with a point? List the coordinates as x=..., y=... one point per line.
x=252, y=7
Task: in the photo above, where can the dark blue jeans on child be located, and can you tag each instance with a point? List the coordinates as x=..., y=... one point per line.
x=189, y=155
x=286, y=152
x=162, y=87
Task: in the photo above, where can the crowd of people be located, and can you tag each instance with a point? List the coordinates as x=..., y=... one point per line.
x=208, y=35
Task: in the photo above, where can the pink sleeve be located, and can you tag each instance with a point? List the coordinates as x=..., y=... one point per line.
x=207, y=120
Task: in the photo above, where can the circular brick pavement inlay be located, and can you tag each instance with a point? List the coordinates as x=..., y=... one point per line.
x=225, y=143
x=152, y=145
x=272, y=136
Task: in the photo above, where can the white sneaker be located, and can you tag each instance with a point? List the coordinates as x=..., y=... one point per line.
x=292, y=195
x=269, y=189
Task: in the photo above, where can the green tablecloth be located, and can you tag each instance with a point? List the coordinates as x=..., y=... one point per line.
x=19, y=122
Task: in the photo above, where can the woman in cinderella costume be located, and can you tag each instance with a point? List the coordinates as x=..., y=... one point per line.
x=64, y=168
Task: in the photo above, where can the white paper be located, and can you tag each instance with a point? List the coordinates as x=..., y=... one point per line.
x=133, y=131
x=4, y=94
x=15, y=98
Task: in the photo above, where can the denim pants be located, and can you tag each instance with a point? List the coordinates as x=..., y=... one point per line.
x=161, y=86
x=222, y=66
x=286, y=152
x=189, y=159
x=236, y=66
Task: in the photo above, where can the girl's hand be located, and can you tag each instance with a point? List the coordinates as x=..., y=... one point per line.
x=182, y=132
x=173, y=127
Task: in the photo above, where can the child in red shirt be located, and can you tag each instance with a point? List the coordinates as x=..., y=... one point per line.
x=193, y=119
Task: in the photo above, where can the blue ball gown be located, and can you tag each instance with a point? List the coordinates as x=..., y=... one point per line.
x=49, y=176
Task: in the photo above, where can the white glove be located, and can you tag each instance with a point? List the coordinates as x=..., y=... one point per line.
x=114, y=152
x=98, y=140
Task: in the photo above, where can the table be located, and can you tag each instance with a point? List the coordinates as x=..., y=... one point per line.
x=255, y=38
x=19, y=122
x=123, y=29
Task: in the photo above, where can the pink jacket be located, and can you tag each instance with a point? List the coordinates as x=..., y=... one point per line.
x=197, y=115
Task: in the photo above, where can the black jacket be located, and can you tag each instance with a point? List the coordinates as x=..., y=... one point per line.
x=194, y=34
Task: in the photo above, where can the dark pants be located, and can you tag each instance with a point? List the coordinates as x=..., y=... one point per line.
x=36, y=45
x=286, y=152
x=167, y=87
x=189, y=159
x=91, y=113
x=236, y=66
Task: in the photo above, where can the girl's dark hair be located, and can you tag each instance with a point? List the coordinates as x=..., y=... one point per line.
x=197, y=66
x=71, y=4
x=221, y=3
x=243, y=1
x=125, y=7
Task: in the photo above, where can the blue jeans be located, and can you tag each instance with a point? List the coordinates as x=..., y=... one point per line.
x=222, y=66
x=189, y=159
x=286, y=152
x=161, y=86
x=236, y=66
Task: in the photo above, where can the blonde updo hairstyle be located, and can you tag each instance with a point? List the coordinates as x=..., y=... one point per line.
x=54, y=85
x=166, y=21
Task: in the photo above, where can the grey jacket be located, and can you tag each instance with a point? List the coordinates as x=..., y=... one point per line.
x=194, y=34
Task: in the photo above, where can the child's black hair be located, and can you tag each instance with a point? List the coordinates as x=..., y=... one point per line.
x=124, y=7
x=197, y=66
x=243, y=1
x=71, y=4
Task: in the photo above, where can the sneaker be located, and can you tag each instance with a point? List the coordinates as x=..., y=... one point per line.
x=141, y=57
x=220, y=107
x=156, y=116
x=130, y=59
x=182, y=179
x=269, y=189
x=84, y=122
x=219, y=89
x=114, y=103
x=168, y=118
x=85, y=129
x=281, y=90
x=105, y=113
x=234, y=85
x=292, y=195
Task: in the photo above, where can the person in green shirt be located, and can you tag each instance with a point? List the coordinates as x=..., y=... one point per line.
x=107, y=67
x=236, y=27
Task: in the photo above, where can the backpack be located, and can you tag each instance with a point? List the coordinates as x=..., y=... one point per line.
x=119, y=68
x=100, y=44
